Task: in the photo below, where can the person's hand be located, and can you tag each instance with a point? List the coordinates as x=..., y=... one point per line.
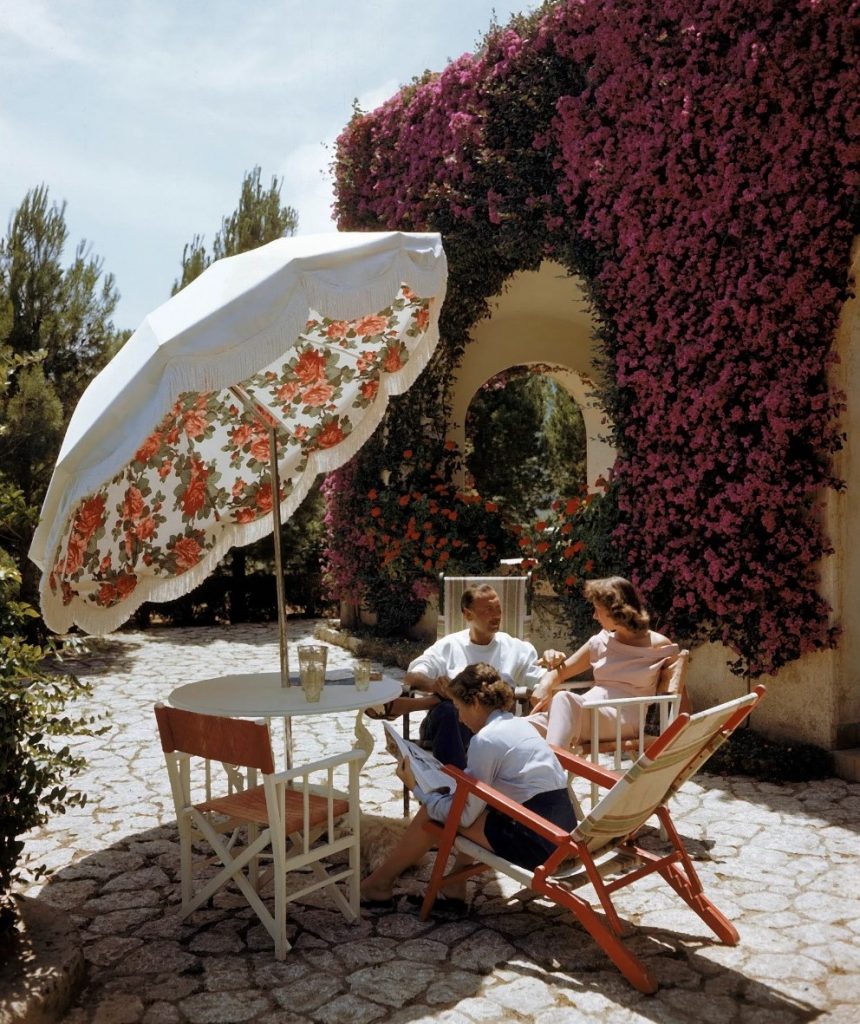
x=441, y=685
x=552, y=660
x=405, y=774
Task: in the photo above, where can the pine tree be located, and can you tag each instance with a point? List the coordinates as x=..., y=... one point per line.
x=66, y=312
x=259, y=218
x=55, y=321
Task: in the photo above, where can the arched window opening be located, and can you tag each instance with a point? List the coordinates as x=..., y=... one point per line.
x=525, y=442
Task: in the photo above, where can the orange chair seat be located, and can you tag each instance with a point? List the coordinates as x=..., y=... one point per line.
x=250, y=805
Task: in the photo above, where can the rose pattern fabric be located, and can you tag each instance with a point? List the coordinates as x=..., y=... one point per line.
x=207, y=463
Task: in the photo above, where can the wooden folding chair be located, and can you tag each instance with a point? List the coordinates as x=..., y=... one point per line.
x=295, y=819
x=604, y=843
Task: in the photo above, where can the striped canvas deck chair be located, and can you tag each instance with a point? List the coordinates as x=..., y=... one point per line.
x=602, y=851
x=515, y=595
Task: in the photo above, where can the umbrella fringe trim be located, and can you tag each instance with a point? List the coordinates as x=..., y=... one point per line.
x=100, y=621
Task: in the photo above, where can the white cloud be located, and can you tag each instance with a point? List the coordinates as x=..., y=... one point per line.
x=308, y=185
x=33, y=26
x=145, y=115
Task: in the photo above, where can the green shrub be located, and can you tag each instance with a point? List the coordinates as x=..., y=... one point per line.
x=749, y=753
x=35, y=762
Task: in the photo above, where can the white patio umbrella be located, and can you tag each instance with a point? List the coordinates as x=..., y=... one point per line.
x=292, y=348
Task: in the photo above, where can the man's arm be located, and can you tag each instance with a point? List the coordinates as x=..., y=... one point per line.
x=417, y=679
x=578, y=662
x=429, y=671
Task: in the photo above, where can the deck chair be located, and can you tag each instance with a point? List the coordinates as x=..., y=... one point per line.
x=515, y=596
x=655, y=714
x=294, y=820
x=604, y=843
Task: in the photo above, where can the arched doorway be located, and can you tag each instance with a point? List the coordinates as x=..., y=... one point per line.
x=542, y=318
x=525, y=442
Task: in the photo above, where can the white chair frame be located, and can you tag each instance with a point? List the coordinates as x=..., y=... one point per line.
x=284, y=818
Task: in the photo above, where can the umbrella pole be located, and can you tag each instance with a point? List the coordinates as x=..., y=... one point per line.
x=274, y=476
x=262, y=416
x=279, y=564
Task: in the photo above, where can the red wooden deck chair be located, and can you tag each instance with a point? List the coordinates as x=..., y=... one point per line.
x=604, y=843
x=293, y=821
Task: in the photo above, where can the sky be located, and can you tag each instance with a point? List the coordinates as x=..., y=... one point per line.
x=145, y=115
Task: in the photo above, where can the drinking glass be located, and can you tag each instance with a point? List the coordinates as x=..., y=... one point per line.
x=362, y=673
x=312, y=663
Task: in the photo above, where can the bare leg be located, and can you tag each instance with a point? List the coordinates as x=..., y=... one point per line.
x=411, y=848
x=416, y=842
x=475, y=832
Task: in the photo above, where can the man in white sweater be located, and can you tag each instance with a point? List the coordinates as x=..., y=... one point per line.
x=482, y=641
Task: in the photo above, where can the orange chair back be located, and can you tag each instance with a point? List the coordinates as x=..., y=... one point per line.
x=230, y=740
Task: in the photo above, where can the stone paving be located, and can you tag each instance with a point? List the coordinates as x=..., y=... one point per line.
x=780, y=861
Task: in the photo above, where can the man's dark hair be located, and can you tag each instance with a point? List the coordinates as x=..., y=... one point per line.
x=470, y=594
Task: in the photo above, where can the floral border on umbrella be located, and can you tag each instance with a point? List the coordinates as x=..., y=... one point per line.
x=207, y=461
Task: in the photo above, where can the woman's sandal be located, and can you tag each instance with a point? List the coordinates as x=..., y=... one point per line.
x=383, y=714
x=443, y=906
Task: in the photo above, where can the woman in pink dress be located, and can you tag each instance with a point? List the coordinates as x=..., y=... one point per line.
x=626, y=656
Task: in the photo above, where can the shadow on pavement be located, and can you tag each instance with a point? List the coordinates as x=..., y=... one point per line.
x=506, y=957
x=811, y=805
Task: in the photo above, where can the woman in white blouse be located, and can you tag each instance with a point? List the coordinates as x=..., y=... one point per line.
x=505, y=752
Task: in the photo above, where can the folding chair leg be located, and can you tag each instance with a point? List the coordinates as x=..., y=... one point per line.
x=627, y=963
x=687, y=885
x=355, y=879
x=699, y=902
x=282, y=947
x=337, y=897
x=185, y=861
x=443, y=850
x=233, y=867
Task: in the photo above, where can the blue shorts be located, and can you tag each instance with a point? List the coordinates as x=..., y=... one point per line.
x=520, y=844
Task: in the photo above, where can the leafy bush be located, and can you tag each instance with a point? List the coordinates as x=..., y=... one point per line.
x=571, y=545
x=391, y=533
x=35, y=763
x=749, y=753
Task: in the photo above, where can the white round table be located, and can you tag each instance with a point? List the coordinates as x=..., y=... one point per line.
x=260, y=695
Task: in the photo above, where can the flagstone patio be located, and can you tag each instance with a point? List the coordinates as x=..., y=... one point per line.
x=781, y=861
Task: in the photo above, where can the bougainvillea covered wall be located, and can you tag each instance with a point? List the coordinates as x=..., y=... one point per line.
x=696, y=163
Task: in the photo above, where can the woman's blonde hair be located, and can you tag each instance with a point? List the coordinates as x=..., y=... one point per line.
x=482, y=683
x=621, y=600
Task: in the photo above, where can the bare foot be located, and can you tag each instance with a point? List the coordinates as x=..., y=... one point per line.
x=375, y=892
